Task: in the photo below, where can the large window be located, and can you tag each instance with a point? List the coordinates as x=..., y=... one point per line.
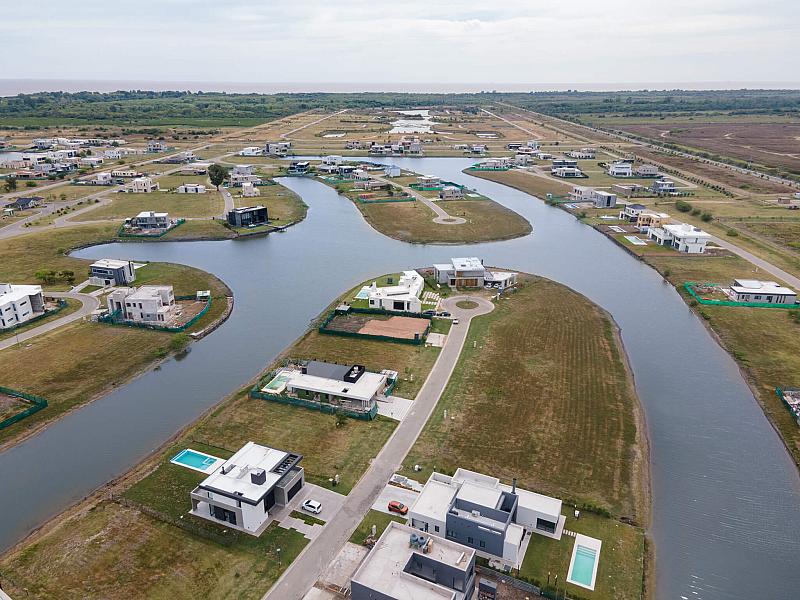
x=544, y=525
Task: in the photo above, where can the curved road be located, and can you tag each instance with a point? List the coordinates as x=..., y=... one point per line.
x=90, y=303
x=306, y=569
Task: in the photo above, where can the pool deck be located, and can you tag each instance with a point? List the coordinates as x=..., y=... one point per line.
x=591, y=544
x=210, y=468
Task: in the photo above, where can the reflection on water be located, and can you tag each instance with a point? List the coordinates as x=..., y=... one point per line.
x=424, y=124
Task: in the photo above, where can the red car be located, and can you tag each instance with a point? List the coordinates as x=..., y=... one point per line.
x=398, y=507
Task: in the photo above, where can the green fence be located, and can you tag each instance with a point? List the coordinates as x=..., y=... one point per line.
x=38, y=404
x=489, y=168
x=386, y=200
x=115, y=319
x=690, y=285
x=795, y=411
x=62, y=304
x=121, y=231
x=376, y=311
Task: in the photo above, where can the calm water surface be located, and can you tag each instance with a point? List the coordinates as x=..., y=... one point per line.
x=726, y=495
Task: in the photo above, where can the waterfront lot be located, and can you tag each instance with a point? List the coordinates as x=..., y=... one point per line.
x=124, y=205
x=283, y=205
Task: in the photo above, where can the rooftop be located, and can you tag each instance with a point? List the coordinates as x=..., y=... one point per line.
x=388, y=568
x=234, y=476
x=363, y=389
x=471, y=263
x=685, y=229
x=766, y=287
x=150, y=213
x=13, y=293
x=109, y=263
x=435, y=499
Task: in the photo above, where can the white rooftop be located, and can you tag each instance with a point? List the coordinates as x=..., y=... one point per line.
x=150, y=213
x=686, y=230
x=754, y=285
x=383, y=568
x=471, y=263
x=149, y=291
x=363, y=389
x=481, y=495
x=110, y=263
x=434, y=500
x=14, y=293
x=410, y=284
x=233, y=476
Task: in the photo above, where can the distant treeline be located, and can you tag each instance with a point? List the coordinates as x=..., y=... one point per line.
x=144, y=108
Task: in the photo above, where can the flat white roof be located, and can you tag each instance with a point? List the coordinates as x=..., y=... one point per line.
x=14, y=293
x=468, y=263
x=686, y=230
x=538, y=502
x=110, y=263
x=409, y=285
x=765, y=287
x=149, y=291
x=479, y=494
x=383, y=568
x=497, y=276
x=150, y=213
x=236, y=476
x=434, y=500
x=365, y=388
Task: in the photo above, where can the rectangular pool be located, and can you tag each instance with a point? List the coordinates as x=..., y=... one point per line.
x=197, y=461
x=363, y=293
x=584, y=562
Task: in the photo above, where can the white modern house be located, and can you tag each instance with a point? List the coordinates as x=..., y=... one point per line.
x=603, y=199
x=249, y=190
x=566, y=172
x=478, y=511
x=125, y=173
x=91, y=161
x=143, y=185
x=19, y=303
x=251, y=151
x=246, y=489
x=583, y=153
x=683, y=237
x=153, y=304
x=620, y=169
x=151, y=220
x=403, y=297
x=663, y=186
x=461, y=272
x=156, y=146
x=407, y=565
x=581, y=194
x=277, y=148
x=766, y=292
x=647, y=171
x=391, y=171
x=429, y=181
x=191, y=188
x=451, y=192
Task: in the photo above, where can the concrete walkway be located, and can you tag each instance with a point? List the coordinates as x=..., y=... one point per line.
x=90, y=303
x=307, y=568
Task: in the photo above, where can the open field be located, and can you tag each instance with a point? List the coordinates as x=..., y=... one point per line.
x=283, y=205
x=784, y=233
x=199, y=229
x=71, y=307
x=769, y=359
x=177, y=205
x=551, y=359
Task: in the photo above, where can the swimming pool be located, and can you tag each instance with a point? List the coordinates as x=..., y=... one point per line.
x=583, y=565
x=197, y=461
x=363, y=293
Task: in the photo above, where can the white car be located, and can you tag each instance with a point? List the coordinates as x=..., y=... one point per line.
x=312, y=506
x=455, y=321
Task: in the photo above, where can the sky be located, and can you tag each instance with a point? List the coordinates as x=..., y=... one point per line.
x=432, y=41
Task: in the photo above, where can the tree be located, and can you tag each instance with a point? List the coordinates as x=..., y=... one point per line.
x=46, y=276
x=11, y=184
x=68, y=276
x=217, y=174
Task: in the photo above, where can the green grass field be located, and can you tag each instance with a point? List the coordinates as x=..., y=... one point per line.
x=72, y=306
x=177, y=205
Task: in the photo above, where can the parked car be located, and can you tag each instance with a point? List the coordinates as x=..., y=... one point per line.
x=398, y=507
x=312, y=506
x=455, y=321
x=444, y=313
x=430, y=313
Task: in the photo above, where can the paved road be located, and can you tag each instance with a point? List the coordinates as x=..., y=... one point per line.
x=442, y=217
x=90, y=303
x=759, y=262
x=229, y=205
x=295, y=130
x=304, y=572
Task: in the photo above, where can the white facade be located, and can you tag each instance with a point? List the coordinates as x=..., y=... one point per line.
x=153, y=304
x=620, y=169
x=156, y=146
x=451, y=192
x=403, y=297
x=237, y=179
x=647, y=171
x=684, y=237
x=251, y=151
x=566, y=172
x=151, y=220
x=19, y=303
x=429, y=181
x=603, y=199
x=581, y=194
x=663, y=186
x=124, y=173
x=461, y=272
x=191, y=188
x=143, y=185
x=278, y=148
x=91, y=161
x=767, y=292
x=249, y=190
x=392, y=171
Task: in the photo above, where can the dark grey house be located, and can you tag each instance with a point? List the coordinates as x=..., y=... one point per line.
x=107, y=271
x=248, y=216
x=25, y=203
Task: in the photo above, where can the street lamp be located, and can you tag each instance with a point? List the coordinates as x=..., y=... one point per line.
x=279, y=556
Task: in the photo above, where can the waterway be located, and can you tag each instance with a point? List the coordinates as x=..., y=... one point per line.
x=726, y=496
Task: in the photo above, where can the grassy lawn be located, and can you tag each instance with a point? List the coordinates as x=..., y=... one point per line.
x=197, y=229
x=177, y=205
x=374, y=517
x=283, y=205
x=619, y=574
x=550, y=358
x=71, y=307
x=770, y=359
x=526, y=182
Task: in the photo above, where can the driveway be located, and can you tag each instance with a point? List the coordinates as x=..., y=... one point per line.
x=308, y=567
x=392, y=492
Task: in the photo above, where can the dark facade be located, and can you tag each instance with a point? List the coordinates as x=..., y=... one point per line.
x=246, y=217
x=485, y=533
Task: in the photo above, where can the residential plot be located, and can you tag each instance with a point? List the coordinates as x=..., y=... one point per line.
x=127, y=205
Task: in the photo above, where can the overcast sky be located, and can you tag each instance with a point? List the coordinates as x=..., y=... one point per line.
x=439, y=41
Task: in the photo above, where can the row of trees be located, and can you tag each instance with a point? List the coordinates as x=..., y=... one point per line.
x=49, y=277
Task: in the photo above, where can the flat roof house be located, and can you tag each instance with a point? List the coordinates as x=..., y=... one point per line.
x=148, y=304
x=620, y=169
x=429, y=181
x=647, y=171
x=391, y=171
x=238, y=179
x=156, y=146
x=405, y=296
x=603, y=199
x=451, y=192
x=278, y=148
x=251, y=151
x=630, y=212
x=249, y=190
x=461, y=272
x=663, y=186
x=563, y=162
x=151, y=220
x=581, y=194
x=191, y=188
x=648, y=218
x=767, y=292
x=407, y=565
x=478, y=511
x=246, y=487
x=248, y=216
x=684, y=237
x=108, y=271
x=566, y=172
x=142, y=185
x=350, y=387
x=19, y=303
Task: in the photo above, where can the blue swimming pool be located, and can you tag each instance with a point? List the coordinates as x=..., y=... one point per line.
x=199, y=461
x=583, y=566
x=363, y=293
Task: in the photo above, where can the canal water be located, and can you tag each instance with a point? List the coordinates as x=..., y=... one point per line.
x=726, y=496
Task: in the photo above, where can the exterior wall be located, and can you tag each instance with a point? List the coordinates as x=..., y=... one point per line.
x=428, y=525
x=484, y=539
x=119, y=276
x=765, y=297
x=14, y=313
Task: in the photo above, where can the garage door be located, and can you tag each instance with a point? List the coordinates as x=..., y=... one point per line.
x=295, y=488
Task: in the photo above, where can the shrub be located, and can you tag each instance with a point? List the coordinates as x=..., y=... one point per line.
x=706, y=217
x=683, y=206
x=732, y=233
x=695, y=212
x=178, y=341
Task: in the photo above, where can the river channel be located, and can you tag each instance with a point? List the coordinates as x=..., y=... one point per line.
x=726, y=496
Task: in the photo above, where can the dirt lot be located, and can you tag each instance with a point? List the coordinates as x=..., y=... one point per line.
x=770, y=144
x=405, y=328
x=10, y=406
x=189, y=309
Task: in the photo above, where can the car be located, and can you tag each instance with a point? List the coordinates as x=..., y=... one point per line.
x=398, y=507
x=455, y=321
x=312, y=506
x=430, y=313
x=444, y=313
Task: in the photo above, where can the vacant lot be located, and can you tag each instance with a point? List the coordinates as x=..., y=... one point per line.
x=177, y=205
x=784, y=233
x=526, y=182
x=769, y=144
x=283, y=205
x=547, y=372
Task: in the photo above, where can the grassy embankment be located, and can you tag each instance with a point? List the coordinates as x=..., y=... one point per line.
x=284, y=207
x=543, y=395
x=486, y=220
x=81, y=361
x=145, y=540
